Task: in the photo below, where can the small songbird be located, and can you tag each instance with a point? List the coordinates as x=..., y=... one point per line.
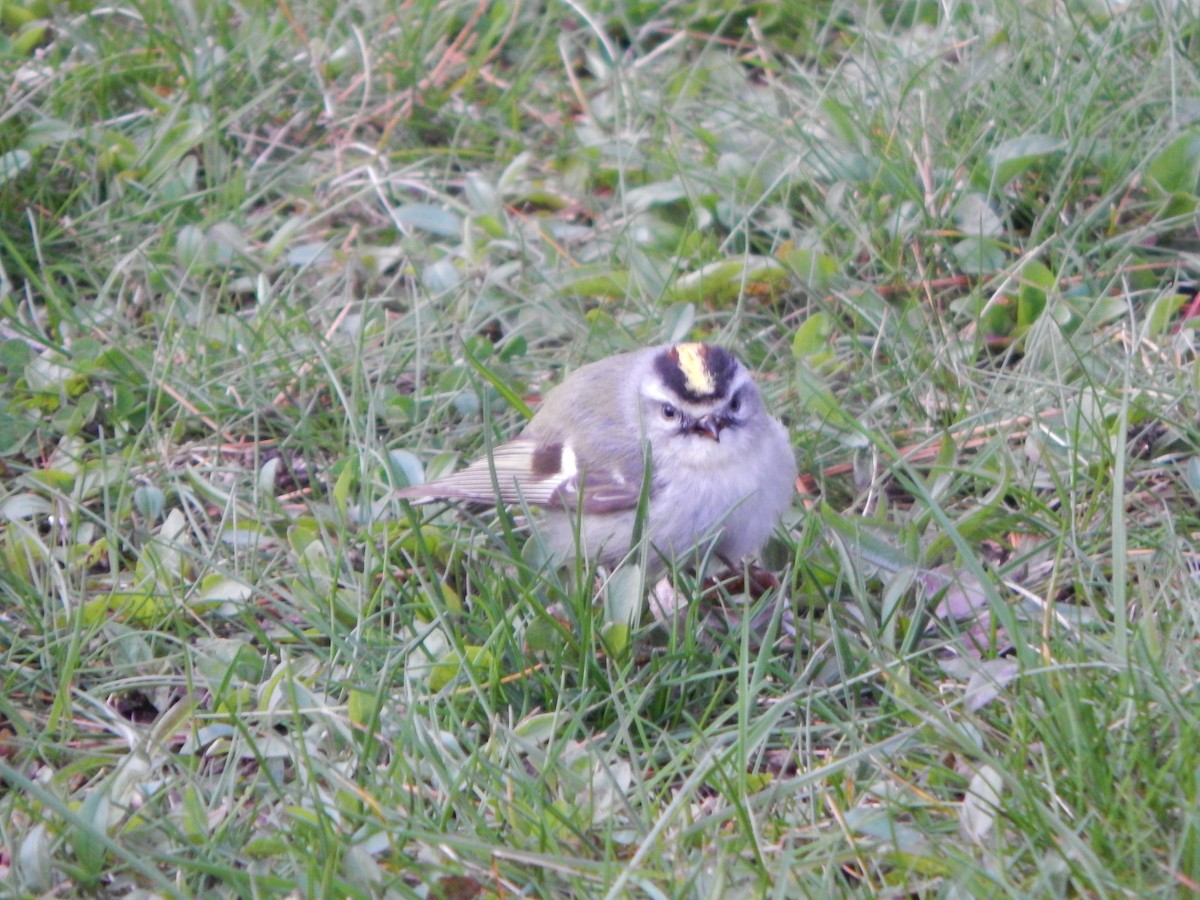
x=722, y=468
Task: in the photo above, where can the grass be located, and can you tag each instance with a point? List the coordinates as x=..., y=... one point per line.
x=260, y=264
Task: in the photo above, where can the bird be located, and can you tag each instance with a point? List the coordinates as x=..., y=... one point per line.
x=682, y=424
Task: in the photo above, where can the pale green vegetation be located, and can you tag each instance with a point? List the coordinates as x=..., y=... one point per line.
x=260, y=262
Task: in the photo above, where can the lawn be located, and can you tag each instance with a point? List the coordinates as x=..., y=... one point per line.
x=262, y=264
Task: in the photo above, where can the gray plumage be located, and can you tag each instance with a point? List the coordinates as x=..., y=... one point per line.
x=722, y=467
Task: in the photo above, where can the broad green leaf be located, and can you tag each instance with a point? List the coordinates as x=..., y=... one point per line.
x=129, y=606
x=623, y=594
x=975, y=217
x=477, y=659
x=615, y=636
x=13, y=164
x=15, y=14
x=33, y=859
x=514, y=174
x=267, y=846
x=430, y=218
x=15, y=431
x=540, y=728
x=314, y=253
x=514, y=347
x=301, y=534
x=544, y=636
x=406, y=468
x=1036, y=282
x=1017, y=155
x=481, y=195
x=228, y=661
x=267, y=474
x=610, y=283
x=30, y=36
x=149, y=501
x=660, y=193
x=95, y=818
x=54, y=479
x=815, y=270
x=426, y=541
x=1175, y=172
x=218, y=589
x=441, y=276
x=1160, y=317
x=361, y=707
x=450, y=597
x=1192, y=474
x=981, y=804
x=346, y=480
x=14, y=357
x=812, y=337
x=192, y=816
x=1176, y=169
x=725, y=279
x=979, y=256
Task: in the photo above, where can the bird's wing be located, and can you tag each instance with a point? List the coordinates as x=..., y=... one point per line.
x=538, y=474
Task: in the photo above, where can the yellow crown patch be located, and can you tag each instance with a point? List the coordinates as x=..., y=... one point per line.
x=693, y=363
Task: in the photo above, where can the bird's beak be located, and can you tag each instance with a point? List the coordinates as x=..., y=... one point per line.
x=710, y=426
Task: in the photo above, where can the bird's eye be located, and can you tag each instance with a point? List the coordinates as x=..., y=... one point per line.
x=668, y=411
x=735, y=405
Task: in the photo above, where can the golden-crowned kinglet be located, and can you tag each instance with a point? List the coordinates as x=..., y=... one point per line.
x=722, y=468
